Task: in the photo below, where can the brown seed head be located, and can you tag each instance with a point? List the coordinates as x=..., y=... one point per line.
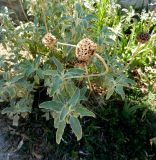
x=49, y=40
x=143, y=37
x=85, y=49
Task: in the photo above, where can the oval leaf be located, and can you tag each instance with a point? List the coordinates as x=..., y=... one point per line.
x=84, y=112
x=76, y=127
x=58, y=64
x=64, y=113
x=51, y=105
x=60, y=131
x=75, y=98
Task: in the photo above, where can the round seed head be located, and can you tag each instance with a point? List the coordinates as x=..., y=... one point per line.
x=49, y=40
x=85, y=49
x=143, y=37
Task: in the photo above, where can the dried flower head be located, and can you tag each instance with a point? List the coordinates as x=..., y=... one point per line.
x=143, y=37
x=49, y=40
x=98, y=89
x=85, y=49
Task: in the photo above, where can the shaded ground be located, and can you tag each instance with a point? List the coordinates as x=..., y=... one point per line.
x=112, y=135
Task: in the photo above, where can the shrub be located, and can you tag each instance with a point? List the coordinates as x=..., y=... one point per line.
x=42, y=53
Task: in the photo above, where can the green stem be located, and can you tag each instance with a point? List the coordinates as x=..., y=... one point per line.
x=43, y=14
x=103, y=61
x=66, y=44
x=25, y=15
x=89, y=83
x=133, y=56
x=86, y=76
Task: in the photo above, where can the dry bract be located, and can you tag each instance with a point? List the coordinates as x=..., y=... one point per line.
x=79, y=64
x=143, y=37
x=49, y=40
x=85, y=49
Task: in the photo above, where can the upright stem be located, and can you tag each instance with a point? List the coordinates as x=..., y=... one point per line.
x=103, y=61
x=66, y=44
x=25, y=15
x=133, y=56
x=43, y=14
x=89, y=83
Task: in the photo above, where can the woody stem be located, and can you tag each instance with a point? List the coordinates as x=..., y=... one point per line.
x=89, y=83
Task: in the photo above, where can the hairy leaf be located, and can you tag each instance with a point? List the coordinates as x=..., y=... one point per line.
x=76, y=127
x=64, y=113
x=52, y=105
x=74, y=72
x=60, y=131
x=58, y=64
x=84, y=112
x=75, y=98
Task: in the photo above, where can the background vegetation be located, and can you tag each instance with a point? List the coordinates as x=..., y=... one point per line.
x=89, y=112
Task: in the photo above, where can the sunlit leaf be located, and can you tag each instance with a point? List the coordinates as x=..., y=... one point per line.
x=75, y=98
x=60, y=131
x=55, y=85
x=58, y=64
x=64, y=113
x=76, y=127
x=74, y=72
x=84, y=112
x=52, y=105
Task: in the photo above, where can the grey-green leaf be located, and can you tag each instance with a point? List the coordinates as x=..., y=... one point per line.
x=84, y=112
x=74, y=72
x=51, y=105
x=55, y=86
x=64, y=113
x=109, y=93
x=76, y=127
x=119, y=90
x=60, y=131
x=58, y=64
x=75, y=98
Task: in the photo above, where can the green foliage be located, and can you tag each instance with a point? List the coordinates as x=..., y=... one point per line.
x=30, y=65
